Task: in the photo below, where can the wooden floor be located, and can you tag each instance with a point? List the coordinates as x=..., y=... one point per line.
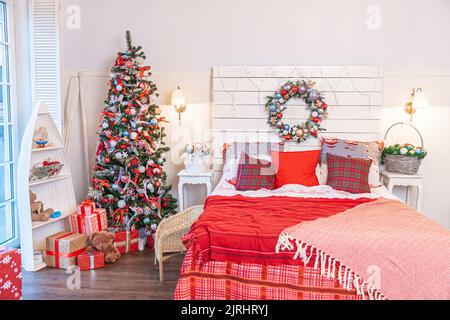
x=134, y=276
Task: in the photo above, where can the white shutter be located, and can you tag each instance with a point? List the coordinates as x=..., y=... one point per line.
x=45, y=47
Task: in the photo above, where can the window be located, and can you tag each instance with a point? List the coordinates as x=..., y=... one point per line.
x=8, y=225
x=45, y=43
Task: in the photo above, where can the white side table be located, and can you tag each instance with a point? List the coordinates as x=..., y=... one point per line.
x=193, y=178
x=392, y=179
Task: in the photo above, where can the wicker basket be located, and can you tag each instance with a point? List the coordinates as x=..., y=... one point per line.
x=401, y=164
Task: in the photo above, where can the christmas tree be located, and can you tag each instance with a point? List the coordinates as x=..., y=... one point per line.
x=129, y=179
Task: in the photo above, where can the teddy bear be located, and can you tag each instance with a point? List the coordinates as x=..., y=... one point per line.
x=104, y=241
x=37, y=209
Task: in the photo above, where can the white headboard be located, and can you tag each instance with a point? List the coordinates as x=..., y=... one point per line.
x=353, y=94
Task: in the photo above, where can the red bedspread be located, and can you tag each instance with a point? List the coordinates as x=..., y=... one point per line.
x=246, y=229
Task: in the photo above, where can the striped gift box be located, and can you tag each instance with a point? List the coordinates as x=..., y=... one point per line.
x=87, y=225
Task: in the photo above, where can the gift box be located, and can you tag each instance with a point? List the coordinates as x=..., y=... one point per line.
x=91, y=260
x=126, y=241
x=63, y=249
x=86, y=208
x=10, y=274
x=88, y=224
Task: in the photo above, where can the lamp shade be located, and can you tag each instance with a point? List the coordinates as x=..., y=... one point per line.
x=420, y=99
x=178, y=97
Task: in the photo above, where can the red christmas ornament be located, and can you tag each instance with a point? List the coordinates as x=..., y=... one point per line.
x=316, y=119
x=105, y=200
x=279, y=115
x=123, y=147
x=157, y=184
x=141, y=195
x=283, y=92
x=137, y=219
x=294, y=89
x=164, y=205
x=124, y=119
x=107, y=160
x=287, y=137
x=324, y=106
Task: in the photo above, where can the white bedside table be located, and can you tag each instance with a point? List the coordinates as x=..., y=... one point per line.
x=392, y=179
x=193, y=178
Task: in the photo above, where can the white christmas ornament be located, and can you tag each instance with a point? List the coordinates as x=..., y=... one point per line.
x=121, y=204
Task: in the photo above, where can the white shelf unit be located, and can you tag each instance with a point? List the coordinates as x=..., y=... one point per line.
x=56, y=192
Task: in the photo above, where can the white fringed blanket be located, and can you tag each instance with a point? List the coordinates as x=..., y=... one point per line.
x=384, y=248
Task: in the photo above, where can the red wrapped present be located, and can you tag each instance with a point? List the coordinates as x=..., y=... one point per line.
x=63, y=249
x=91, y=260
x=86, y=208
x=126, y=241
x=151, y=241
x=10, y=274
x=95, y=222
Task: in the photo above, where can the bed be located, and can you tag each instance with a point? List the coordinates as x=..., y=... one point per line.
x=291, y=242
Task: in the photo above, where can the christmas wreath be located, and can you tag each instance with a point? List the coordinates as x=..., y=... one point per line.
x=276, y=104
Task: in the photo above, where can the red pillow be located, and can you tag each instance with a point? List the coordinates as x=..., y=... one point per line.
x=348, y=174
x=297, y=167
x=254, y=174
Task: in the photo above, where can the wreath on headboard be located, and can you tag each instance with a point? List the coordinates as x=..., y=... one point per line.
x=276, y=104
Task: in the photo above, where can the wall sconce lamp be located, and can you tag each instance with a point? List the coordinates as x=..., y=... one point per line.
x=179, y=102
x=419, y=100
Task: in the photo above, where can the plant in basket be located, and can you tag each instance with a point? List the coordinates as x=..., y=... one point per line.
x=403, y=158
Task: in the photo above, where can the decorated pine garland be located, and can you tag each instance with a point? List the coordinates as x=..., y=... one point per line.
x=276, y=104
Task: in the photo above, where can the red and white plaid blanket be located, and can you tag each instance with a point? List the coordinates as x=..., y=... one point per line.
x=225, y=280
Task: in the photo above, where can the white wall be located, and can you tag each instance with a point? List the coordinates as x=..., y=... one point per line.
x=183, y=39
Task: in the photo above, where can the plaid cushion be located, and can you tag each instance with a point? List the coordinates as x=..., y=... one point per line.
x=348, y=174
x=355, y=149
x=254, y=174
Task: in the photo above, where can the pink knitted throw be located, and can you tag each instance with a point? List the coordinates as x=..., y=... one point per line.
x=383, y=249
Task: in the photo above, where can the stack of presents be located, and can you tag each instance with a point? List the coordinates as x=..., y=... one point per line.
x=86, y=245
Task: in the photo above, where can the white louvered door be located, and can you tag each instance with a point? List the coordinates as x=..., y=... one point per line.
x=45, y=47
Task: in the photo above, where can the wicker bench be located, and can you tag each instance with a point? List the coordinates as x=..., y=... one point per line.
x=169, y=233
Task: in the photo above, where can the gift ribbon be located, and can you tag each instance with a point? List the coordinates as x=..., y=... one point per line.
x=155, y=201
x=92, y=261
x=118, y=215
x=163, y=119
